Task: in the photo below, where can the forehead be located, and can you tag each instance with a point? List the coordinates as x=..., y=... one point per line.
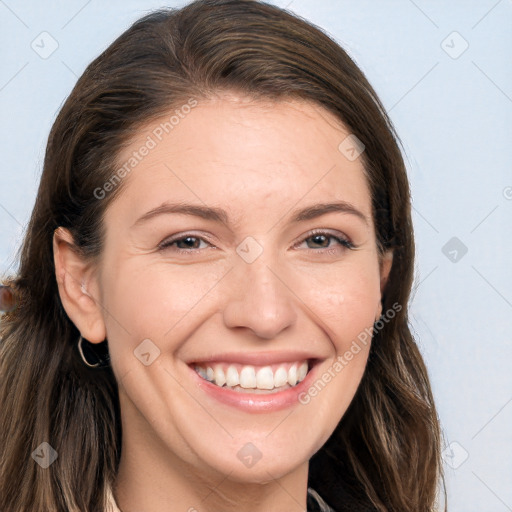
x=243, y=153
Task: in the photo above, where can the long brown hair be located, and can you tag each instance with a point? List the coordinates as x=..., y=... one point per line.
x=385, y=453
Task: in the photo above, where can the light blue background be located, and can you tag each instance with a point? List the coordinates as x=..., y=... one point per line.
x=454, y=116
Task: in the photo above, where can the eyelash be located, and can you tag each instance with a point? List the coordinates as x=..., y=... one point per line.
x=344, y=242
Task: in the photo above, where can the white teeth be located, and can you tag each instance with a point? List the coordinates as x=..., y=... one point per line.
x=280, y=377
x=232, y=378
x=220, y=378
x=292, y=375
x=248, y=377
x=302, y=371
x=265, y=378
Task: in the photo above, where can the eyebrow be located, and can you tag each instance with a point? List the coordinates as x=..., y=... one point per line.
x=219, y=215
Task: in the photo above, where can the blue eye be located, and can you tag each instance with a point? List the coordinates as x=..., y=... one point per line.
x=324, y=237
x=188, y=240
x=191, y=243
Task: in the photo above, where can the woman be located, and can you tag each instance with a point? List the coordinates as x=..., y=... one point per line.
x=173, y=348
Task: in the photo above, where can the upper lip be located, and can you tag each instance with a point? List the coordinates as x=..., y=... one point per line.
x=256, y=358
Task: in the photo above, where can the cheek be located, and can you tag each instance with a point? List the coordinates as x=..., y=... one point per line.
x=344, y=300
x=154, y=300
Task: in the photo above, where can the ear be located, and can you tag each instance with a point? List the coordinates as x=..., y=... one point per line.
x=78, y=287
x=385, y=264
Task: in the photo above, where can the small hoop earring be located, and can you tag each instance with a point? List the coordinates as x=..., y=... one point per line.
x=103, y=362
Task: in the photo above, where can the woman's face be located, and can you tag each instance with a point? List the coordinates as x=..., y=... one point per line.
x=221, y=254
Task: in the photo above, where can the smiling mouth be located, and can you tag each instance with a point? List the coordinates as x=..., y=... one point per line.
x=254, y=379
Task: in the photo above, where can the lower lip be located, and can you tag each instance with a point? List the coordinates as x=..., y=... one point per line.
x=252, y=402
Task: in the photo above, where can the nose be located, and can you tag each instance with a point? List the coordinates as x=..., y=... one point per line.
x=260, y=299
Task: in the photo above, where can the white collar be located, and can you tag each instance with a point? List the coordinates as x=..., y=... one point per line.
x=112, y=505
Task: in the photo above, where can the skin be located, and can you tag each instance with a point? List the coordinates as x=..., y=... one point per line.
x=259, y=161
